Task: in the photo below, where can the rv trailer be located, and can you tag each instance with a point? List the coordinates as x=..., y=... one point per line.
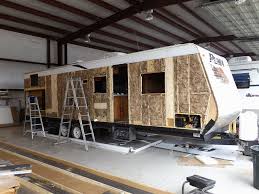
x=246, y=76
x=182, y=89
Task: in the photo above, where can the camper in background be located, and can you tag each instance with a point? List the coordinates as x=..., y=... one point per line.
x=246, y=76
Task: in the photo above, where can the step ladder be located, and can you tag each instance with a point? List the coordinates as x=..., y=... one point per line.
x=75, y=104
x=33, y=117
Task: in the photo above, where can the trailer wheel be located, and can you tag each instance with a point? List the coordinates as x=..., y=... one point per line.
x=76, y=132
x=64, y=130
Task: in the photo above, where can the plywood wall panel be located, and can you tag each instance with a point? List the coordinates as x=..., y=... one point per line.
x=145, y=108
x=27, y=83
x=152, y=66
x=134, y=87
x=199, y=103
x=157, y=109
x=41, y=81
x=61, y=87
x=192, y=91
x=198, y=81
x=169, y=92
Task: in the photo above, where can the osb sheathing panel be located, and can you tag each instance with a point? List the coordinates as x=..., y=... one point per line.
x=169, y=92
x=27, y=83
x=199, y=103
x=152, y=66
x=88, y=75
x=192, y=89
x=41, y=81
x=157, y=110
x=145, y=109
x=61, y=86
x=181, y=73
x=101, y=114
x=198, y=81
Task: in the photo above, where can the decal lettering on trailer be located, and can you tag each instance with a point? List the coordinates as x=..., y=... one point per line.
x=252, y=95
x=216, y=60
x=217, y=65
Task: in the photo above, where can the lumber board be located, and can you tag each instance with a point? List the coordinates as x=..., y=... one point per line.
x=58, y=176
x=71, y=165
x=32, y=188
x=8, y=184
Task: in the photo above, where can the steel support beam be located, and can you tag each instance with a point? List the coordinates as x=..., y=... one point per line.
x=188, y=10
x=214, y=39
x=126, y=13
x=251, y=54
x=48, y=53
x=23, y=61
x=226, y=38
x=60, y=53
x=65, y=54
x=58, y=19
x=90, y=16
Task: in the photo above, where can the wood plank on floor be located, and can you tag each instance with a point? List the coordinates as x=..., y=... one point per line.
x=82, y=185
x=104, y=176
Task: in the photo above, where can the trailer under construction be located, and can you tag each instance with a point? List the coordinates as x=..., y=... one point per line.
x=182, y=89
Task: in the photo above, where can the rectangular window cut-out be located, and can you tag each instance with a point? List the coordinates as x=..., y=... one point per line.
x=85, y=81
x=34, y=80
x=153, y=83
x=100, y=84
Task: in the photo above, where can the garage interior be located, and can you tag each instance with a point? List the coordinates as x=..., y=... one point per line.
x=129, y=96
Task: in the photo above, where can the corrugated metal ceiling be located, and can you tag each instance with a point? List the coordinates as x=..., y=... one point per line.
x=241, y=20
x=141, y=34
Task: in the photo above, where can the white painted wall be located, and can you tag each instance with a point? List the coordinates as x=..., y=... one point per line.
x=12, y=74
x=29, y=48
x=22, y=47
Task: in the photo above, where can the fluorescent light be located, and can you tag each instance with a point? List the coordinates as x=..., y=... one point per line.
x=149, y=15
x=87, y=38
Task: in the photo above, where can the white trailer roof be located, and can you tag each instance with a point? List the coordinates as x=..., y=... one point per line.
x=170, y=51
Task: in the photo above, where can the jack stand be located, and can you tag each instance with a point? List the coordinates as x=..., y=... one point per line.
x=202, y=184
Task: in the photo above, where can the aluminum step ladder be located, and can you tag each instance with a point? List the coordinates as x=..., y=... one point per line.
x=33, y=117
x=75, y=106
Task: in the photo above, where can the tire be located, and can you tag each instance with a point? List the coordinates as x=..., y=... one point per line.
x=76, y=132
x=64, y=131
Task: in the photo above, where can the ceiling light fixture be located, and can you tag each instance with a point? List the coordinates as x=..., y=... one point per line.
x=207, y=46
x=87, y=38
x=149, y=15
x=239, y=2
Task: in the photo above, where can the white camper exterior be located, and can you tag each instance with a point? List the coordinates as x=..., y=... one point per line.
x=249, y=95
x=221, y=101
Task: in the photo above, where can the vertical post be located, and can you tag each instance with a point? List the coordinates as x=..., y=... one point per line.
x=60, y=53
x=48, y=53
x=65, y=53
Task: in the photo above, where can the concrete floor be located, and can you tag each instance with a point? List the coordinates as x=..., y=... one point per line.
x=155, y=167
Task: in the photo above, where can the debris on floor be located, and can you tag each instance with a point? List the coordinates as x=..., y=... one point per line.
x=203, y=161
x=225, y=152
